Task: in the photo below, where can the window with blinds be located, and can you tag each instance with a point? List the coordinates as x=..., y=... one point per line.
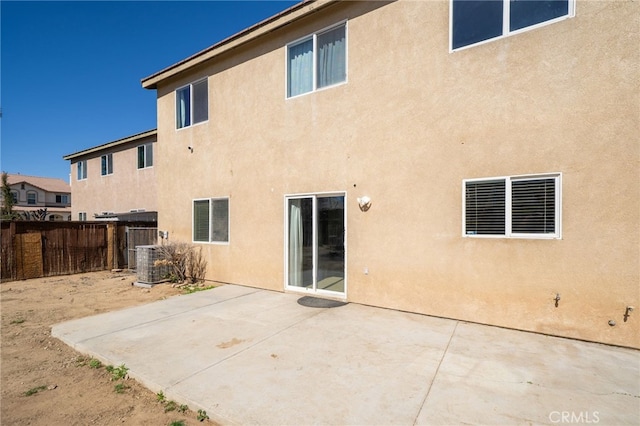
x=485, y=207
x=211, y=220
x=520, y=207
x=533, y=206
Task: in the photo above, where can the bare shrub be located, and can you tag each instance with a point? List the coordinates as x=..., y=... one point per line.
x=196, y=265
x=175, y=256
x=184, y=261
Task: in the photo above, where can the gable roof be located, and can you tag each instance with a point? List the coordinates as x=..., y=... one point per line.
x=108, y=145
x=44, y=183
x=295, y=12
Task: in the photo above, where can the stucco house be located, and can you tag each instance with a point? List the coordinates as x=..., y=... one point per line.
x=33, y=195
x=464, y=159
x=115, y=180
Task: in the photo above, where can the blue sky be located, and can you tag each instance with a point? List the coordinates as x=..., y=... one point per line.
x=70, y=71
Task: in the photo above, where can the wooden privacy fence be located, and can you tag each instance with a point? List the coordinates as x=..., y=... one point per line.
x=41, y=249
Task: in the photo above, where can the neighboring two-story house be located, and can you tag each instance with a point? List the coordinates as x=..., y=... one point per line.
x=116, y=180
x=464, y=159
x=40, y=198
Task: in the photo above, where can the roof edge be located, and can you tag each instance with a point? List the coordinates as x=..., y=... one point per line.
x=117, y=142
x=272, y=23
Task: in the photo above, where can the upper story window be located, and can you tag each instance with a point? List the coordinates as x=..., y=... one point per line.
x=62, y=199
x=192, y=104
x=82, y=169
x=477, y=21
x=106, y=162
x=317, y=61
x=32, y=197
x=513, y=207
x=145, y=155
x=14, y=196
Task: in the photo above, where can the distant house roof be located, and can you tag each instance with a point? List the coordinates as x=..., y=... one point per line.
x=108, y=145
x=44, y=183
x=279, y=20
x=50, y=210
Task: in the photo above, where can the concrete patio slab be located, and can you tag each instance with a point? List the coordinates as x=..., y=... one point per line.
x=251, y=356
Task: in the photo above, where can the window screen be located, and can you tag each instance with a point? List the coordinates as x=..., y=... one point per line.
x=533, y=208
x=201, y=220
x=485, y=208
x=475, y=21
x=220, y=220
x=200, y=102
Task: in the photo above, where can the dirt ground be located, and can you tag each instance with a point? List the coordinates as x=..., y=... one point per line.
x=45, y=382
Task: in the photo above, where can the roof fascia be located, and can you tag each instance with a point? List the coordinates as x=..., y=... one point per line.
x=108, y=145
x=262, y=28
x=46, y=190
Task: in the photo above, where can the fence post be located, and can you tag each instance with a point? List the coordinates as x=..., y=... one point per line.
x=112, y=248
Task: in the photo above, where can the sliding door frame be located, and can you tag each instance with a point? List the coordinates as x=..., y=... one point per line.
x=313, y=290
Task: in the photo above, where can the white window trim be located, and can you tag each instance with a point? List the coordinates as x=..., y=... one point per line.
x=175, y=103
x=221, y=243
x=109, y=162
x=146, y=146
x=84, y=170
x=315, y=195
x=506, y=12
x=508, y=207
x=314, y=36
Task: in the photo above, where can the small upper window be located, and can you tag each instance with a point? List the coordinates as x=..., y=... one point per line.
x=62, y=199
x=317, y=61
x=145, y=156
x=192, y=104
x=106, y=164
x=32, y=197
x=521, y=207
x=82, y=169
x=14, y=196
x=477, y=21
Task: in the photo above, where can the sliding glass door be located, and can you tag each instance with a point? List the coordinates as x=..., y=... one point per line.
x=315, y=243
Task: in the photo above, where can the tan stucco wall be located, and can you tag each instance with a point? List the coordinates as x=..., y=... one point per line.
x=127, y=188
x=410, y=124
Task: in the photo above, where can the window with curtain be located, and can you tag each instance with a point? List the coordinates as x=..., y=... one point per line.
x=513, y=207
x=192, y=104
x=211, y=220
x=317, y=61
x=82, y=169
x=145, y=156
x=106, y=162
x=476, y=21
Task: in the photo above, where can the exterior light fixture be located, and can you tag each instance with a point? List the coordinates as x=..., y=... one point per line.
x=364, y=203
